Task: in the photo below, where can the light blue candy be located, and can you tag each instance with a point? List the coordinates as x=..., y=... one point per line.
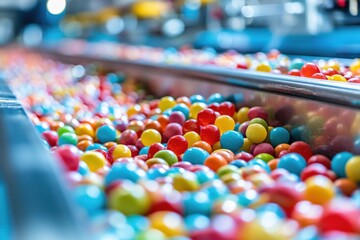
x=338, y=163
x=232, y=140
x=106, y=133
x=194, y=222
x=129, y=171
x=195, y=155
x=293, y=162
x=279, y=135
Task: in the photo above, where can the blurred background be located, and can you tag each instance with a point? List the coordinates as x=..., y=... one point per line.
x=299, y=27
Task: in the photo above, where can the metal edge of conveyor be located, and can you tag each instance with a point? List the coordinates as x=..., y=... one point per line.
x=325, y=91
x=38, y=203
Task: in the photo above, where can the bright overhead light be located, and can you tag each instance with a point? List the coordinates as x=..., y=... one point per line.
x=56, y=7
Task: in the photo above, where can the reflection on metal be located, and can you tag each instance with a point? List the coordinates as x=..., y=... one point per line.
x=325, y=114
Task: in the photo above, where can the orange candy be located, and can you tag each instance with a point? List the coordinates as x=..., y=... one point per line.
x=273, y=163
x=203, y=145
x=226, y=153
x=346, y=186
x=108, y=145
x=82, y=145
x=163, y=120
x=215, y=161
x=281, y=147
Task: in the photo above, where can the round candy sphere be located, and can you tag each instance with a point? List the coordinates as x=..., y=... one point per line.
x=68, y=138
x=197, y=203
x=210, y=134
x=178, y=144
x=70, y=156
x=224, y=123
x=352, y=168
x=279, y=135
x=168, y=155
x=195, y=155
x=231, y=140
x=94, y=160
x=150, y=136
x=129, y=171
x=339, y=162
x=106, y=133
x=170, y=223
x=90, y=197
x=118, y=151
x=319, y=189
x=129, y=199
x=293, y=162
x=256, y=133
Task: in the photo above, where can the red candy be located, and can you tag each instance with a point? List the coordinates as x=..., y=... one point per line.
x=227, y=108
x=69, y=156
x=210, y=134
x=309, y=69
x=257, y=112
x=206, y=116
x=302, y=148
x=191, y=125
x=178, y=144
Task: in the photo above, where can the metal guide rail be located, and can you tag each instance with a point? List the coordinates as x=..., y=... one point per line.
x=346, y=94
x=37, y=204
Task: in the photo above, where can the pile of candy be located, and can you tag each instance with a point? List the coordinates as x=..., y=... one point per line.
x=187, y=167
x=273, y=62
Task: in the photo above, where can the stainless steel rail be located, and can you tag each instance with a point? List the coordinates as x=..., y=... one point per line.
x=346, y=94
x=39, y=205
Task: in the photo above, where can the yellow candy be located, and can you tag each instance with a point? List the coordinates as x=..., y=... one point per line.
x=352, y=168
x=334, y=65
x=185, y=182
x=242, y=115
x=337, y=77
x=263, y=67
x=170, y=223
x=319, y=189
x=85, y=129
x=150, y=136
x=355, y=67
x=192, y=137
x=166, y=103
x=121, y=151
x=247, y=145
x=267, y=139
x=195, y=109
x=133, y=110
x=94, y=160
x=255, y=230
x=256, y=133
x=224, y=123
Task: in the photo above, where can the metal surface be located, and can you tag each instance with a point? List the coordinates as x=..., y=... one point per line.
x=324, y=91
x=40, y=206
x=323, y=113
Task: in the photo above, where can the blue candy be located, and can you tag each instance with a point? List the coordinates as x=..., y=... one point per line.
x=195, y=155
x=279, y=135
x=106, y=133
x=232, y=140
x=293, y=162
x=338, y=163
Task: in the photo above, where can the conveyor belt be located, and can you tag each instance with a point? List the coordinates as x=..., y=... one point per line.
x=325, y=91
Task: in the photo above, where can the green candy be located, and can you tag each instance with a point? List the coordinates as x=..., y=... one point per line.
x=167, y=155
x=68, y=138
x=65, y=129
x=264, y=156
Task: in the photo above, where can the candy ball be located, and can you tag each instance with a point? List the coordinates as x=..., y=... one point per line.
x=352, y=168
x=68, y=138
x=231, y=140
x=279, y=135
x=339, y=162
x=215, y=161
x=169, y=156
x=94, y=160
x=118, y=151
x=319, y=189
x=90, y=197
x=70, y=156
x=195, y=155
x=150, y=136
x=129, y=199
x=129, y=171
x=293, y=162
x=177, y=144
x=256, y=133
x=106, y=133
x=224, y=123
x=210, y=134
x=170, y=223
